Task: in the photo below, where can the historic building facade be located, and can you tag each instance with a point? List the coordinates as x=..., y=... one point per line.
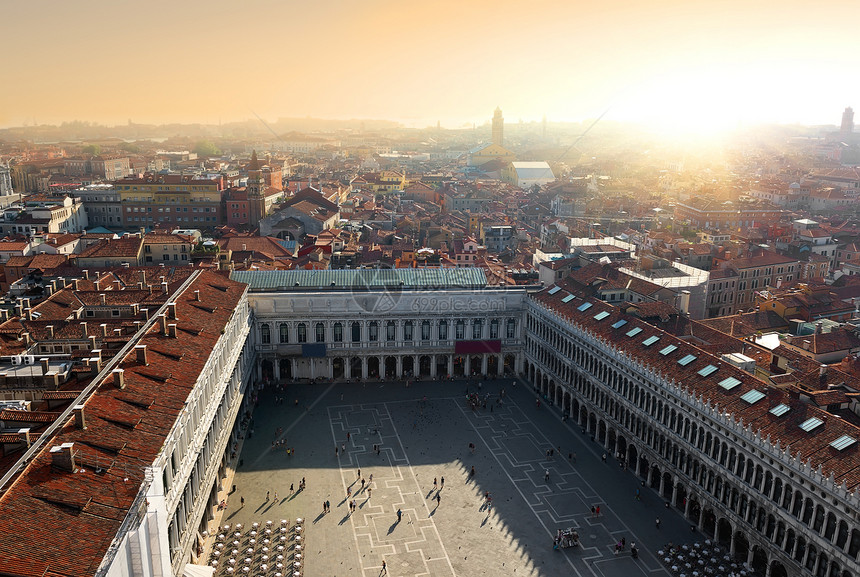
x=767, y=476
x=368, y=331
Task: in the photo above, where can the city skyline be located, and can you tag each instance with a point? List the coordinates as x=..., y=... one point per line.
x=686, y=68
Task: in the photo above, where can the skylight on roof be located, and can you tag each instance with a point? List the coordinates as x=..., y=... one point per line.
x=650, y=340
x=753, y=396
x=811, y=424
x=780, y=410
x=729, y=383
x=554, y=290
x=843, y=442
x=583, y=307
x=568, y=298
x=634, y=331
x=601, y=315
x=686, y=360
x=619, y=324
x=666, y=350
x=709, y=370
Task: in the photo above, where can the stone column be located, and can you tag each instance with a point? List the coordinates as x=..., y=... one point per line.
x=450, y=364
x=363, y=367
x=750, y=556
x=687, y=508
x=468, y=369
x=433, y=366
x=398, y=367
x=485, y=361
x=500, y=364
x=347, y=367
x=277, y=370
x=733, y=549
x=416, y=368
x=330, y=364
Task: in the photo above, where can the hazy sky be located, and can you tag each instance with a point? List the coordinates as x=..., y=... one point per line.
x=671, y=61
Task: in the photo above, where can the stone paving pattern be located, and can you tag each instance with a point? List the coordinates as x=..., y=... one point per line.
x=420, y=440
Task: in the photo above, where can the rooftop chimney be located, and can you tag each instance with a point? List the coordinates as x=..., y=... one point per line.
x=145, y=314
x=50, y=329
x=119, y=378
x=197, y=295
x=93, y=342
x=80, y=418
x=46, y=365
x=141, y=354
x=163, y=319
x=84, y=332
x=164, y=286
x=171, y=330
x=86, y=274
x=104, y=329
x=117, y=285
x=63, y=457
x=143, y=277
x=171, y=309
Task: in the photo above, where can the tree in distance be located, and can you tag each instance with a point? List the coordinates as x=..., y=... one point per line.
x=206, y=148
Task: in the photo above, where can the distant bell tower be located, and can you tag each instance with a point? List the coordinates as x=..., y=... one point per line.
x=847, y=121
x=498, y=127
x=256, y=194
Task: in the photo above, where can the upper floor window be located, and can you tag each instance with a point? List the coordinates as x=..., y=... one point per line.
x=320, y=333
x=283, y=333
x=265, y=334
x=302, y=333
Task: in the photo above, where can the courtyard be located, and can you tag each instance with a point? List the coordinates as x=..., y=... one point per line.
x=404, y=438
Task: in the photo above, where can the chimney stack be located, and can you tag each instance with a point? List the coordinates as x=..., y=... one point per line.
x=163, y=318
x=197, y=295
x=46, y=365
x=164, y=286
x=143, y=277
x=50, y=329
x=141, y=354
x=86, y=274
x=84, y=332
x=104, y=329
x=171, y=309
x=63, y=457
x=119, y=378
x=80, y=418
x=103, y=297
x=117, y=285
x=145, y=313
x=93, y=344
x=171, y=329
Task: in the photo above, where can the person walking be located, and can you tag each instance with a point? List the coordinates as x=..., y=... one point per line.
x=242, y=501
x=359, y=474
x=370, y=479
x=369, y=492
x=438, y=499
x=384, y=568
x=347, y=436
x=592, y=511
x=434, y=482
x=443, y=480
x=335, y=451
x=638, y=497
x=597, y=511
x=399, y=515
x=546, y=476
x=657, y=522
x=276, y=496
x=362, y=484
x=267, y=495
x=324, y=509
x=348, y=492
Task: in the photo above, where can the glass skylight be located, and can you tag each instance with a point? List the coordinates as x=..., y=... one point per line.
x=619, y=324
x=666, y=350
x=811, y=424
x=730, y=383
x=583, y=307
x=601, y=315
x=686, y=360
x=709, y=370
x=753, y=396
x=650, y=341
x=780, y=410
x=568, y=298
x=843, y=442
x=554, y=290
x=634, y=331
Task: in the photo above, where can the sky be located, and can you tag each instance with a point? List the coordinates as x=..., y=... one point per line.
x=683, y=64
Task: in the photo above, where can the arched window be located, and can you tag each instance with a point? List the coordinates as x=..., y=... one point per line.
x=356, y=332
x=425, y=330
x=407, y=331
x=283, y=333
x=320, y=332
x=338, y=332
x=494, y=329
x=477, y=327
x=443, y=330
x=302, y=333
x=265, y=334
x=460, y=330
x=373, y=331
x=390, y=331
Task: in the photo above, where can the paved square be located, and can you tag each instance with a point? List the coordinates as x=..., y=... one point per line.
x=345, y=433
